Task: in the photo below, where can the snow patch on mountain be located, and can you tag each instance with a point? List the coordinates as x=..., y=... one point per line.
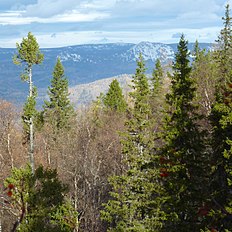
x=65, y=56
x=149, y=51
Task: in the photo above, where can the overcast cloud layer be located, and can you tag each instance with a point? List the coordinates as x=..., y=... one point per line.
x=69, y=22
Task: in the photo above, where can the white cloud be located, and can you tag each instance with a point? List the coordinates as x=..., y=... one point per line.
x=49, y=8
x=116, y=20
x=16, y=18
x=84, y=37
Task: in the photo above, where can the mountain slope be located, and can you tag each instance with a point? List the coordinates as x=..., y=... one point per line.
x=84, y=94
x=83, y=64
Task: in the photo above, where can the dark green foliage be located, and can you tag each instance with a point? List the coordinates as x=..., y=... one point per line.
x=40, y=200
x=183, y=158
x=136, y=201
x=221, y=120
x=114, y=99
x=28, y=53
x=58, y=111
x=157, y=78
x=223, y=54
x=156, y=99
x=196, y=50
x=29, y=111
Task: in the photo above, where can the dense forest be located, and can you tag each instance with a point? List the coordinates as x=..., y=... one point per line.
x=158, y=159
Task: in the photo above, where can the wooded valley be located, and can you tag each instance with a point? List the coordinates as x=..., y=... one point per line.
x=156, y=160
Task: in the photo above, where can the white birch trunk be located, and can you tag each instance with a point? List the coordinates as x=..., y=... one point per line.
x=1, y=221
x=76, y=201
x=31, y=126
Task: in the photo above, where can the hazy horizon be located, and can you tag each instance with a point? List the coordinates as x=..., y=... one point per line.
x=61, y=23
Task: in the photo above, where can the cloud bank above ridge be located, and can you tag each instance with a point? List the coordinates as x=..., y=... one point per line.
x=86, y=21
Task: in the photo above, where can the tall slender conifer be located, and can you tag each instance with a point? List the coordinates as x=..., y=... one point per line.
x=136, y=195
x=28, y=55
x=183, y=161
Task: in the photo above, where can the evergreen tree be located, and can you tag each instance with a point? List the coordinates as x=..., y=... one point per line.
x=157, y=77
x=38, y=201
x=29, y=55
x=136, y=201
x=196, y=51
x=114, y=99
x=221, y=119
x=58, y=110
x=157, y=93
x=183, y=161
x=224, y=51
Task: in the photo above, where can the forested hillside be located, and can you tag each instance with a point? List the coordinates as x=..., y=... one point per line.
x=157, y=159
x=83, y=64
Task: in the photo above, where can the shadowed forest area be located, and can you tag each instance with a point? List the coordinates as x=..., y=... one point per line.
x=157, y=160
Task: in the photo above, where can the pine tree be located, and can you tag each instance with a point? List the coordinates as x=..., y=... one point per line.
x=136, y=201
x=114, y=99
x=183, y=161
x=28, y=56
x=221, y=119
x=58, y=110
x=38, y=201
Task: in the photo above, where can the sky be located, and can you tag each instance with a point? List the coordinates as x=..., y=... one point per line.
x=57, y=23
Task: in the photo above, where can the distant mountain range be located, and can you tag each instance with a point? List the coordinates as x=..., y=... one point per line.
x=83, y=64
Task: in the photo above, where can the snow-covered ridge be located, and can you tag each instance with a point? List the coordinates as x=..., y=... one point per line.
x=149, y=51
x=126, y=52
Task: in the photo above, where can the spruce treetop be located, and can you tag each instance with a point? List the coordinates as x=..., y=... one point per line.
x=157, y=76
x=58, y=110
x=58, y=91
x=182, y=89
x=141, y=89
x=158, y=71
x=114, y=98
x=224, y=52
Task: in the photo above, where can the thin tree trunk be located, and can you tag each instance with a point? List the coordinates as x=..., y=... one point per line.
x=1, y=215
x=31, y=125
x=76, y=201
x=9, y=151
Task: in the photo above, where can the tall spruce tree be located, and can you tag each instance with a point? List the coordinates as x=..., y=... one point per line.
x=28, y=55
x=58, y=110
x=221, y=119
x=157, y=93
x=183, y=161
x=136, y=201
x=223, y=53
x=114, y=99
x=157, y=77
